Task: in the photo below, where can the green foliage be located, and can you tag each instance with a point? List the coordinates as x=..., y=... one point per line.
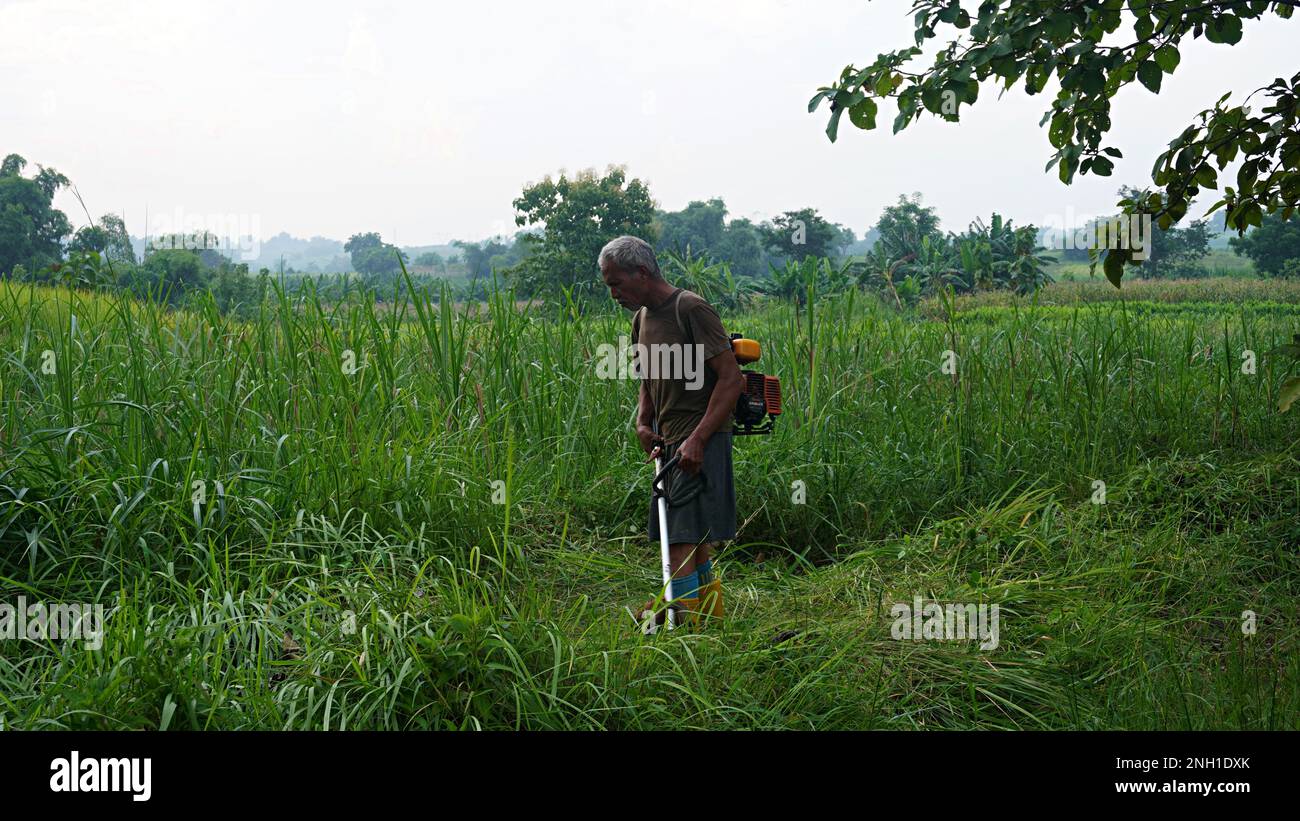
x=698, y=227
x=1274, y=246
x=713, y=281
x=350, y=569
x=1178, y=252
x=377, y=261
x=742, y=247
x=32, y=230
x=108, y=238
x=170, y=274
x=580, y=215
x=879, y=271
x=999, y=255
x=234, y=291
x=810, y=278
x=701, y=229
x=431, y=259
x=935, y=263
x=482, y=258
x=1035, y=40
x=1171, y=252
x=912, y=248
x=206, y=245
x=902, y=226
x=908, y=291
x=797, y=235
x=1289, y=391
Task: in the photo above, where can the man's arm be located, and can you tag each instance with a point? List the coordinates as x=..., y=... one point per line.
x=645, y=416
x=722, y=402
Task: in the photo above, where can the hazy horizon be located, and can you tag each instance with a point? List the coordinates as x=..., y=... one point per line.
x=424, y=125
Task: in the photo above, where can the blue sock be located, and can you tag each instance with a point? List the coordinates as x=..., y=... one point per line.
x=686, y=587
x=705, y=572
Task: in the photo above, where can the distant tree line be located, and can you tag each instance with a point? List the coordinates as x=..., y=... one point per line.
x=564, y=222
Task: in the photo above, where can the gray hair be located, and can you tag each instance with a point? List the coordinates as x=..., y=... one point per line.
x=629, y=253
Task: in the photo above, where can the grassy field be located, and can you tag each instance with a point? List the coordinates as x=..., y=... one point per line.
x=446, y=535
x=1220, y=262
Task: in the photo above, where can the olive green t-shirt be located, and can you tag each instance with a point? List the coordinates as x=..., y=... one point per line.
x=681, y=384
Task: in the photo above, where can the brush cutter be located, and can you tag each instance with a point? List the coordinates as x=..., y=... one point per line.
x=661, y=493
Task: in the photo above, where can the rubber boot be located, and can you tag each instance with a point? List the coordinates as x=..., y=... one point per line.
x=711, y=600
x=688, y=612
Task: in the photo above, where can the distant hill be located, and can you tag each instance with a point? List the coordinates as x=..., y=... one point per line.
x=318, y=255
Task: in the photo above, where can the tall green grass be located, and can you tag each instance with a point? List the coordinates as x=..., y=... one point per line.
x=446, y=536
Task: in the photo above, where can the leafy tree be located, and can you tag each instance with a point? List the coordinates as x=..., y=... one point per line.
x=49, y=181
x=699, y=226
x=431, y=259
x=1036, y=40
x=506, y=256
x=108, y=238
x=742, y=248
x=361, y=242
x=479, y=255
x=205, y=245
x=88, y=238
x=796, y=235
x=580, y=215
x=17, y=237
x=236, y=292
x=1272, y=245
x=1170, y=252
x=167, y=273
x=374, y=259
x=1178, y=252
x=903, y=226
x=32, y=230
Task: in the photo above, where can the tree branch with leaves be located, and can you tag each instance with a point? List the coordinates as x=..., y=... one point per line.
x=1035, y=41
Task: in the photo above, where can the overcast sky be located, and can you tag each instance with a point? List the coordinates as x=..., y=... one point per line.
x=424, y=121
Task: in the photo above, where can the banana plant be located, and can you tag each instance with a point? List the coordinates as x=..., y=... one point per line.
x=708, y=278
x=935, y=263
x=999, y=255
x=789, y=282
x=880, y=271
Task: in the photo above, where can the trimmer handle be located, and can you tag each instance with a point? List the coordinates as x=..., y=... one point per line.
x=656, y=486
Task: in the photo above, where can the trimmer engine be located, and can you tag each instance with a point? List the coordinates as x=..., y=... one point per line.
x=760, y=400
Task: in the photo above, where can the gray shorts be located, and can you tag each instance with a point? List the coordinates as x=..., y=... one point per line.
x=711, y=515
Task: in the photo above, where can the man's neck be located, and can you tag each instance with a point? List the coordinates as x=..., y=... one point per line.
x=658, y=300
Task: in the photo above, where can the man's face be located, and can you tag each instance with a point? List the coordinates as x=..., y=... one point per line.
x=626, y=288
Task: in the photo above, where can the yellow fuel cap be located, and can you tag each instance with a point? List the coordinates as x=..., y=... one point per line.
x=746, y=350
